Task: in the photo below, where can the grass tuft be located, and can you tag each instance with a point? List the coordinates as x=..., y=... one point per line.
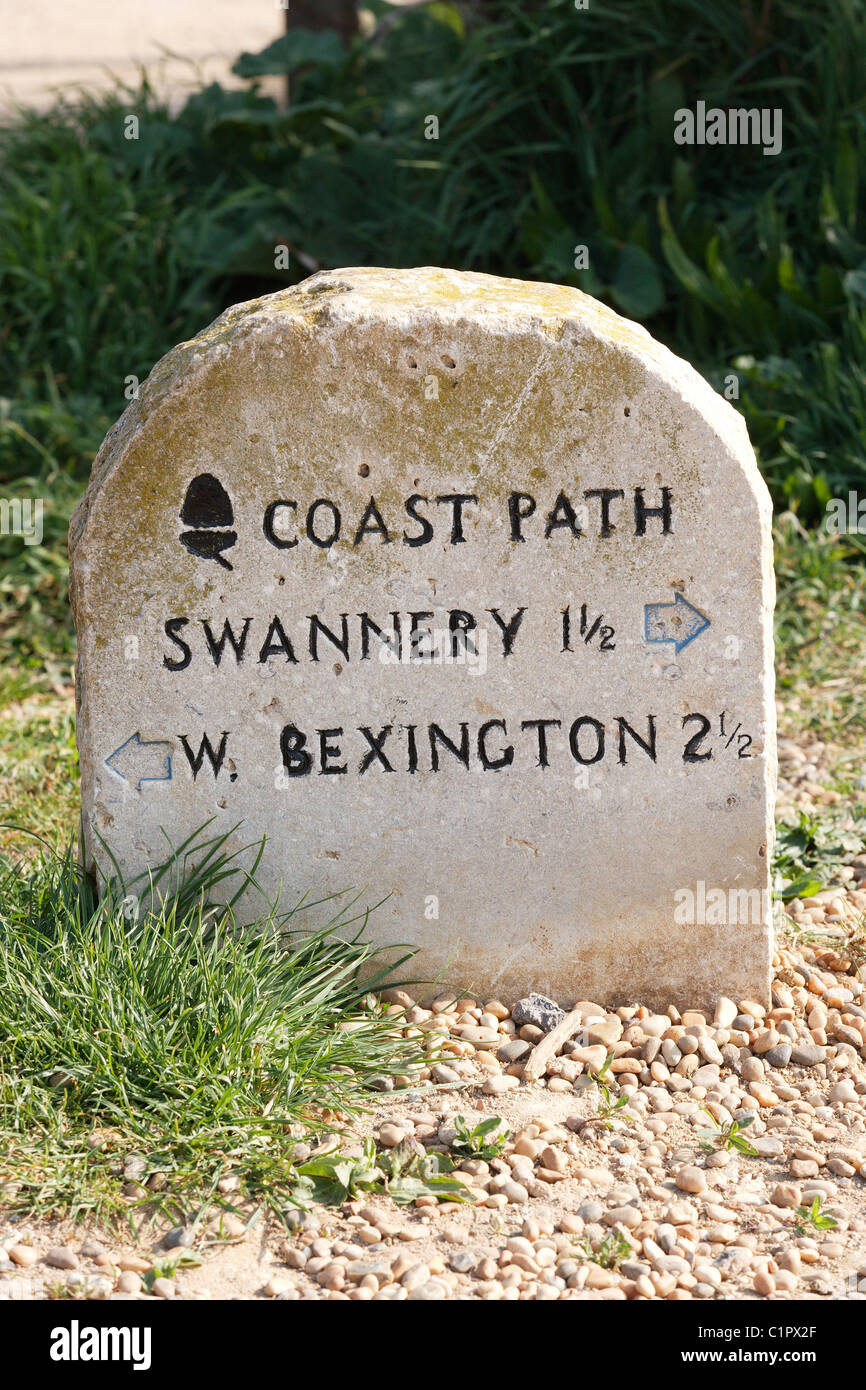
x=170, y=1047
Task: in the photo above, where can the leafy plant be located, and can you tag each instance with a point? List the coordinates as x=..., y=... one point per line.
x=812, y=850
x=400, y=1173
x=485, y=1140
x=729, y=1136
x=608, y=1108
x=165, y=1267
x=612, y=1250
x=59, y=1291
x=816, y=1218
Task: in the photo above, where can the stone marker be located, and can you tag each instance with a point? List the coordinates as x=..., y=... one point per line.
x=460, y=590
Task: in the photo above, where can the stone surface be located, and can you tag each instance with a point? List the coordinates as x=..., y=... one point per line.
x=23, y=1255
x=612, y=550
x=537, y=1009
x=808, y=1054
x=61, y=1257
x=778, y=1056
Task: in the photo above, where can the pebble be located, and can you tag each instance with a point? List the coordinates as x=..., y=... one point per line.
x=128, y=1282
x=689, y=1178
x=554, y=1159
x=778, y=1056
x=390, y=1135
x=461, y=1261
x=538, y=1010
x=843, y=1091
x=790, y=1260
x=590, y=1211
x=658, y=1098
x=431, y=1291
x=733, y=1261
x=764, y=1095
x=498, y=1010
x=765, y=1145
x=627, y=1216
x=515, y=1192
x=275, y=1287
x=605, y=1031
x=786, y=1194
x=178, y=1235
x=23, y=1255
x=479, y=1037
x=498, y=1085
x=443, y=1075
x=61, y=1257
x=672, y=1264
x=530, y=1033
x=593, y=1058
x=379, y=1269
x=725, y=1013
x=681, y=1214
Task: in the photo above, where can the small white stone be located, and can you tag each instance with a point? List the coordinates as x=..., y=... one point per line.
x=843, y=1091
x=690, y=1178
x=498, y=1085
x=390, y=1135
x=725, y=1013
x=275, y=1287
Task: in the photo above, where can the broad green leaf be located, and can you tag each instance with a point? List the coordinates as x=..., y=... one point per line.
x=296, y=49
x=806, y=886
x=637, y=286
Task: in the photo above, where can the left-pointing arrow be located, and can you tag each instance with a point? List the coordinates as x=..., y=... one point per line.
x=138, y=761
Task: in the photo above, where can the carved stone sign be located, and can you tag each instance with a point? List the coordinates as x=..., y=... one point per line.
x=460, y=590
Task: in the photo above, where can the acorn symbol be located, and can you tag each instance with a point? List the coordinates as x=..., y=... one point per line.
x=206, y=507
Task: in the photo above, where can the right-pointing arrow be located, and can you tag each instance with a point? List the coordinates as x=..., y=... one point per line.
x=678, y=622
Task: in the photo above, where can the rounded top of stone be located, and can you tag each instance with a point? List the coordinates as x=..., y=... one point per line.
x=450, y=294
x=561, y=316
x=409, y=294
